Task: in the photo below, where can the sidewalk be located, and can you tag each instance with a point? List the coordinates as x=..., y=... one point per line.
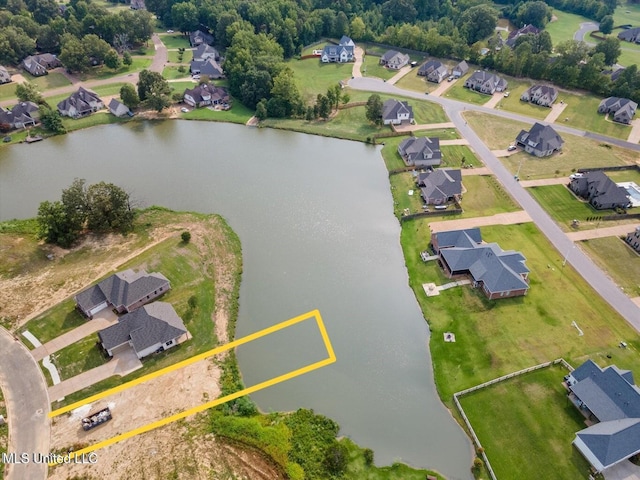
x=545, y=181
x=555, y=112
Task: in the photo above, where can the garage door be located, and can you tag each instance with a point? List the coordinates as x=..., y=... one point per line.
x=97, y=308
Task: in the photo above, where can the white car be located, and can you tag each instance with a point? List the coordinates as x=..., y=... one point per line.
x=511, y=148
x=169, y=31
x=196, y=77
x=184, y=109
x=506, y=94
x=575, y=175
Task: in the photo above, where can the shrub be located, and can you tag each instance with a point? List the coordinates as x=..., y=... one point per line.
x=186, y=237
x=368, y=457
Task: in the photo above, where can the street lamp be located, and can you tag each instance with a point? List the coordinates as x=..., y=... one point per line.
x=567, y=255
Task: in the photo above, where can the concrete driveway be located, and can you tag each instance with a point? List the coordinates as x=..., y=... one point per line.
x=122, y=363
x=623, y=471
x=25, y=394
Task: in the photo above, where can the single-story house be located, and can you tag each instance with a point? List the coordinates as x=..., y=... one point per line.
x=38, y=65
x=341, y=53
x=395, y=60
x=395, y=112
x=460, y=69
x=4, y=75
x=515, y=34
x=541, y=140
x=440, y=186
x=199, y=37
x=204, y=52
x=600, y=191
x=421, y=152
x=119, y=109
x=206, y=94
x=543, y=95
x=22, y=115
x=80, y=104
x=123, y=291
x=499, y=273
x=622, y=109
x=153, y=328
x=485, y=82
x=610, y=401
x=633, y=239
x=630, y=35
x=209, y=67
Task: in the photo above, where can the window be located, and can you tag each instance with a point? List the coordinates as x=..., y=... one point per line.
x=169, y=343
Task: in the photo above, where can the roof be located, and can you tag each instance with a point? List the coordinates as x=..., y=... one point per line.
x=198, y=37
x=604, y=189
x=80, y=99
x=155, y=323
x=207, y=67
x=541, y=138
x=542, y=90
x=481, y=77
x=123, y=288
x=205, y=50
x=428, y=67
x=346, y=41
x=462, y=67
x=392, y=108
x=116, y=107
x=416, y=148
x=515, y=34
x=443, y=183
x=393, y=56
x=607, y=443
x=199, y=93
x=458, y=238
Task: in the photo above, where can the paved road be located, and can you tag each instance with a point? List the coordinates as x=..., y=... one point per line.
x=582, y=263
x=25, y=393
x=585, y=28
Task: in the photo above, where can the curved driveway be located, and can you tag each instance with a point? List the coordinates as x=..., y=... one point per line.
x=25, y=395
x=585, y=28
x=581, y=262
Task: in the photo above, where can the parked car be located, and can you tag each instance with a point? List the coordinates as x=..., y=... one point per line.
x=511, y=148
x=506, y=94
x=184, y=109
x=575, y=175
x=169, y=31
x=450, y=78
x=196, y=77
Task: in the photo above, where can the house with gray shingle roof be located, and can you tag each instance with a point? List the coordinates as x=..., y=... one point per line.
x=541, y=140
x=4, y=75
x=209, y=67
x=204, y=52
x=20, y=116
x=123, y=291
x=206, y=94
x=80, y=104
x=434, y=70
x=440, y=186
x=341, y=53
x=38, y=65
x=485, y=82
x=633, y=239
x=394, y=60
x=609, y=398
x=119, y=109
x=600, y=191
x=498, y=273
x=543, y=95
x=630, y=35
x=515, y=34
x=622, y=109
x=153, y=328
x=421, y=152
x=395, y=112
x=199, y=37
x=460, y=69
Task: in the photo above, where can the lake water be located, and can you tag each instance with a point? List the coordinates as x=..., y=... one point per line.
x=315, y=217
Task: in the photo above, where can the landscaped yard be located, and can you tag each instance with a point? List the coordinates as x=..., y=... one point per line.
x=564, y=206
x=104, y=117
x=582, y=112
x=174, y=57
x=171, y=73
x=577, y=152
x=483, y=196
x=415, y=82
x=401, y=185
x=314, y=77
x=626, y=12
x=238, y=113
x=79, y=357
x=423, y=111
x=460, y=92
x=49, y=81
x=453, y=156
x=175, y=41
x=54, y=322
x=514, y=104
x=618, y=259
x=101, y=72
x=526, y=426
x=371, y=68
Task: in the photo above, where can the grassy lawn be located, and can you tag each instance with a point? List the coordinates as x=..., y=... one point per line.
x=315, y=46
x=401, y=185
x=618, y=259
x=175, y=40
x=7, y=91
x=238, y=113
x=415, y=82
x=441, y=133
x=626, y=12
x=497, y=337
x=565, y=26
x=452, y=156
x=459, y=92
x=577, y=152
x=79, y=357
x=582, y=112
x=371, y=68
x=513, y=103
x=181, y=86
x=54, y=322
x=314, y=77
x=484, y=196
x=174, y=57
x=526, y=426
x=46, y=82
x=564, y=207
x=103, y=117
x=172, y=73
x=625, y=176
x=101, y=72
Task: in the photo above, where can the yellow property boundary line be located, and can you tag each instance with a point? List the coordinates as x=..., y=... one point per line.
x=268, y=383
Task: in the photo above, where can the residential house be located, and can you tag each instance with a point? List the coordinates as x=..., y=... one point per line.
x=137, y=5
x=614, y=72
x=541, y=140
x=209, y=67
x=153, y=328
x=199, y=37
x=5, y=77
x=22, y=115
x=341, y=53
x=515, y=34
x=543, y=95
x=434, y=70
x=460, y=69
x=622, y=109
x=485, y=82
x=498, y=273
x=123, y=291
x=630, y=35
x=394, y=60
x=119, y=109
x=599, y=190
x=633, y=239
x=395, y=112
x=80, y=104
x=206, y=94
x=204, y=52
x=421, y=152
x=440, y=186
x=38, y=65
x=610, y=401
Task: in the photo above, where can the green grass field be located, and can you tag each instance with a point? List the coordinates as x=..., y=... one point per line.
x=314, y=77
x=627, y=13
x=174, y=57
x=175, y=41
x=415, y=82
x=459, y=92
x=582, y=112
x=565, y=26
x=441, y=133
x=513, y=103
x=173, y=73
x=103, y=117
x=101, y=72
x=526, y=426
x=371, y=68
x=54, y=322
x=46, y=82
x=618, y=259
x=401, y=185
x=564, y=207
x=79, y=357
x=452, y=156
x=238, y=113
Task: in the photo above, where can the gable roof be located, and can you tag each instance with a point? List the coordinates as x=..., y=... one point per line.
x=204, y=51
x=207, y=91
x=485, y=80
x=458, y=238
x=121, y=289
x=82, y=100
x=19, y=115
x=208, y=67
x=428, y=67
x=118, y=108
x=607, y=443
x=596, y=185
x=391, y=56
x=392, y=108
x=515, y=34
x=441, y=183
x=540, y=138
x=346, y=41
x=417, y=148
x=150, y=325
x=198, y=37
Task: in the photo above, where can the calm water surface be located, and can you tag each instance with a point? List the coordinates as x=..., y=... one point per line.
x=317, y=228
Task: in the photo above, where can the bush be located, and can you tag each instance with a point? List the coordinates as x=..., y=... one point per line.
x=336, y=459
x=186, y=237
x=368, y=457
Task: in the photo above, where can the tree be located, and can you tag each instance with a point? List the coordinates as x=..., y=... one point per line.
x=28, y=92
x=126, y=59
x=535, y=13
x=51, y=120
x=109, y=208
x=336, y=459
x=324, y=106
x=73, y=55
x=358, y=28
x=74, y=200
x=158, y=98
x=285, y=90
x=53, y=225
x=186, y=238
x=374, y=109
x=368, y=456
x=610, y=46
x=477, y=23
x=129, y=96
x=261, y=109
x=112, y=60
x=185, y=16
x=148, y=81
x=606, y=24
